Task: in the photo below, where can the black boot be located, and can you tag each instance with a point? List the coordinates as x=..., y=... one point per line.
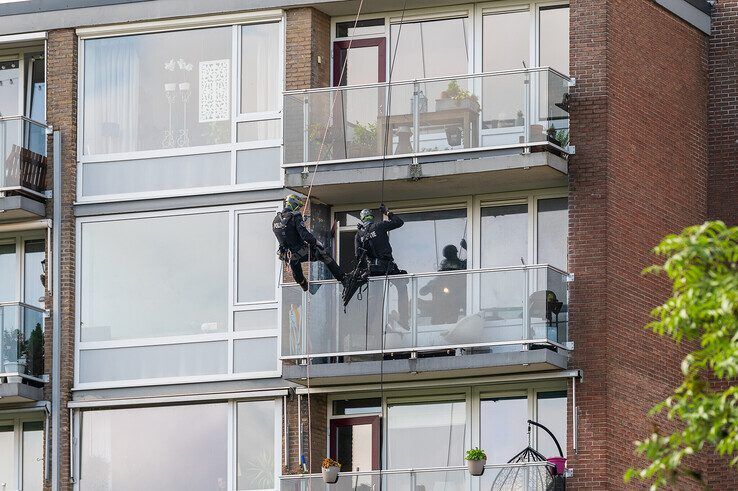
x=303, y=284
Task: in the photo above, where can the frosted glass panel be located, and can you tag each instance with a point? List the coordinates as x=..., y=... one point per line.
x=33, y=456
x=255, y=355
x=156, y=174
x=258, y=165
x=255, y=453
x=257, y=269
x=8, y=273
x=147, y=362
x=154, y=277
x=255, y=320
x=172, y=447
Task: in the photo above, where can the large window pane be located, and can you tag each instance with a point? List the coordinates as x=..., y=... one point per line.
x=425, y=434
x=35, y=252
x=149, y=362
x=431, y=48
x=153, y=277
x=256, y=441
x=33, y=456
x=173, y=447
x=255, y=355
x=10, y=92
x=418, y=246
x=504, y=235
x=260, y=65
x=156, y=174
x=504, y=427
x=553, y=230
x=154, y=91
x=554, y=38
x=552, y=415
x=7, y=450
x=8, y=273
x=256, y=263
x=258, y=165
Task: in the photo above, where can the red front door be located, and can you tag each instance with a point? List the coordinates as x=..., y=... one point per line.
x=355, y=443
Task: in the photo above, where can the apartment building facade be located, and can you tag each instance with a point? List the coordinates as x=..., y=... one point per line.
x=535, y=150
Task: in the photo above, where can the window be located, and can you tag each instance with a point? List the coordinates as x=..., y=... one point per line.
x=21, y=446
x=181, y=110
x=504, y=235
x=552, y=415
x=22, y=83
x=554, y=37
x=173, y=447
x=503, y=424
x=8, y=266
x=368, y=27
x=553, y=231
x=177, y=296
x=256, y=442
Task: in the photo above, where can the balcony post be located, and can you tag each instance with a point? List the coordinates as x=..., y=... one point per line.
x=306, y=128
x=528, y=116
x=416, y=116
x=526, y=307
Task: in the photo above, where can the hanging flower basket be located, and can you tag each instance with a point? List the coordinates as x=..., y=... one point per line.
x=476, y=459
x=330, y=470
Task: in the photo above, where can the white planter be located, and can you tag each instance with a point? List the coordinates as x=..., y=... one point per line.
x=330, y=474
x=476, y=467
x=15, y=367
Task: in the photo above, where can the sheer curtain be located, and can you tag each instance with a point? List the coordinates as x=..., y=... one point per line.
x=111, y=95
x=259, y=68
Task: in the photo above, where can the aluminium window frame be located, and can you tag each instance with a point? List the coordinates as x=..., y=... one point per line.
x=75, y=432
x=235, y=22
x=229, y=335
x=17, y=424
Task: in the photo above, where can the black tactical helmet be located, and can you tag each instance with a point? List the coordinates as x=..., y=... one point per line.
x=366, y=215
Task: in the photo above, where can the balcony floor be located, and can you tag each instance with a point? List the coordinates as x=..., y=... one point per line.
x=16, y=208
x=435, y=176
x=400, y=370
x=17, y=392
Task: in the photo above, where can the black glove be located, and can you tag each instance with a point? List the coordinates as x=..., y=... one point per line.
x=463, y=244
x=383, y=209
x=282, y=254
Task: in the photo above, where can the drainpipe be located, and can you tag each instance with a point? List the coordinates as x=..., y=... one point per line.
x=55, y=317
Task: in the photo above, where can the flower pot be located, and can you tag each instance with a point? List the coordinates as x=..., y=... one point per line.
x=476, y=467
x=330, y=474
x=18, y=367
x=559, y=464
x=446, y=104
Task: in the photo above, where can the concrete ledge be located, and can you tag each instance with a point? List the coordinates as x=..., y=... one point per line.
x=13, y=208
x=441, y=367
x=434, y=176
x=13, y=393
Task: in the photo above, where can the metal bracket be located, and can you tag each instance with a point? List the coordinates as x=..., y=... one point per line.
x=570, y=278
x=414, y=171
x=572, y=81
x=571, y=149
x=48, y=194
x=569, y=345
x=568, y=473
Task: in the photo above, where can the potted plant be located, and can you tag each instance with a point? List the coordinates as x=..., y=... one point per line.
x=476, y=459
x=330, y=470
x=455, y=97
x=15, y=352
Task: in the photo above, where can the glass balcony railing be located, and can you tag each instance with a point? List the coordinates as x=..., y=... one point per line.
x=21, y=341
x=532, y=476
x=484, y=309
x=23, y=152
x=517, y=108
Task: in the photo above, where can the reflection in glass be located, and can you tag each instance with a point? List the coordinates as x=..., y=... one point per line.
x=255, y=445
x=8, y=274
x=552, y=415
x=154, y=91
x=260, y=65
x=33, y=456
x=34, y=253
x=354, y=447
x=357, y=406
x=430, y=48
x=503, y=423
x=504, y=235
x=425, y=434
x=553, y=231
x=153, y=277
x=361, y=28
x=256, y=269
x=418, y=246
x=172, y=447
x=554, y=38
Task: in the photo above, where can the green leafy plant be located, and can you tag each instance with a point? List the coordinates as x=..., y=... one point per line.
x=702, y=264
x=476, y=454
x=364, y=141
x=329, y=462
x=455, y=92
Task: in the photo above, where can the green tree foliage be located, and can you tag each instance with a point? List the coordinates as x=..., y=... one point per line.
x=702, y=263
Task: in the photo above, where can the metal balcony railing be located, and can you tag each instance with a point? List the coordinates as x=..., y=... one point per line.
x=494, y=308
x=515, y=108
x=532, y=476
x=21, y=342
x=23, y=153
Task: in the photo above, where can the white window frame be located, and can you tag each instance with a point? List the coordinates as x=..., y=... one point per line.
x=235, y=22
x=75, y=432
x=230, y=335
x=17, y=424
x=19, y=240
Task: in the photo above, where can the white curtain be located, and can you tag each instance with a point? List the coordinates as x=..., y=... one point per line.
x=111, y=95
x=260, y=68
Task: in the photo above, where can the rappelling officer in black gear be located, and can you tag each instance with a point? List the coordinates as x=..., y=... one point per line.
x=297, y=244
x=373, y=240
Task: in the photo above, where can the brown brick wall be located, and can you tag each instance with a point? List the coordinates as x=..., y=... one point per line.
x=61, y=109
x=317, y=416
x=307, y=38
x=723, y=127
x=639, y=123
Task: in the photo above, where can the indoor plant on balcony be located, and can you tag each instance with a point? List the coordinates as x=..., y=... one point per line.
x=330, y=470
x=476, y=459
x=454, y=97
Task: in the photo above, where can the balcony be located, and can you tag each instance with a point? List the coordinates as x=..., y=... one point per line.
x=470, y=134
x=23, y=176
x=21, y=353
x=448, y=324
x=528, y=476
